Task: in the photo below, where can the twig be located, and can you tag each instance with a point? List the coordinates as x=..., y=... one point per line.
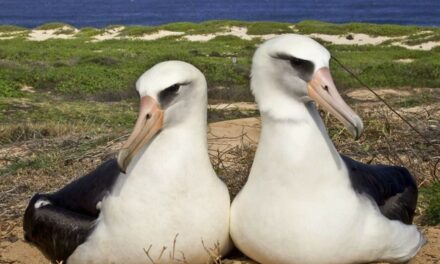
x=174, y=245
x=147, y=252
x=161, y=253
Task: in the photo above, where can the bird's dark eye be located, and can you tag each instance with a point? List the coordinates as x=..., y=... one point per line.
x=167, y=95
x=296, y=62
x=304, y=68
x=174, y=88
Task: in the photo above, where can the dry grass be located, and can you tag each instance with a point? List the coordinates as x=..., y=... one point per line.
x=42, y=157
x=12, y=133
x=388, y=140
x=233, y=166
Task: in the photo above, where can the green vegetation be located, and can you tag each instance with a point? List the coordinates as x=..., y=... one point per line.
x=417, y=39
x=259, y=28
x=430, y=198
x=55, y=25
x=137, y=31
x=10, y=28
x=39, y=162
x=88, y=32
x=65, y=31
x=413, y=35
x=72, y=77
x=26, y=113
x=378, y=66
x=311, y=26
x=80, y=68
x=207, y=27
x=213, y=26
x=9, y=88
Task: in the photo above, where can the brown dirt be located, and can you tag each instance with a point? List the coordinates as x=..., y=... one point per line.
x=365, y=95
x=20, y=252
x=227, y=134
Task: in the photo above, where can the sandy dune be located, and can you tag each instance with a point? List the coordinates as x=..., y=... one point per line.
x=42, y=35
x=236, y=31
x=240, y=32
x=109, y=34
x=355, y=39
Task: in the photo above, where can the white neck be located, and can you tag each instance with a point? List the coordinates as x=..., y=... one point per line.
x=182, y=147
x=297, y=150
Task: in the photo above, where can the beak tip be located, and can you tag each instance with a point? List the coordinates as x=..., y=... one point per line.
x=358, y=128
x=121, y=158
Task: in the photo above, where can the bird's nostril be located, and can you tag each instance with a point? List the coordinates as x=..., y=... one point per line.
x=148, y=116
x=325, y=87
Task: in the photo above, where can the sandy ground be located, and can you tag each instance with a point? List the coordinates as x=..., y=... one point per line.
x=240, y=32
x=159, y=34
x=228, y=134
x=364, y=39
x=356, y=39
x=10, y=35
x=19, y=252
x=424, y=46
x=114, y=34
x=42, y=35
x=365, y=95
x=404, y=60
x=221, y=136
x=234, y=106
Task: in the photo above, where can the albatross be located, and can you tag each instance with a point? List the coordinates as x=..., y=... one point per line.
x=304, y=202
x=159, y=200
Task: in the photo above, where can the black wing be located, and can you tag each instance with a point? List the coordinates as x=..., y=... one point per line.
x=393, y=188
x=57, y=223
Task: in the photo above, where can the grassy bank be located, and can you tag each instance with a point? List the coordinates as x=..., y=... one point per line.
x=106, y=70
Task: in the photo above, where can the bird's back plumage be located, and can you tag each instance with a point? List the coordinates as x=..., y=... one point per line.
x=392, y=188
x=58, y=222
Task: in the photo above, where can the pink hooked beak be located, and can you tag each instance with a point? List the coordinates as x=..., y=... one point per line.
x=323, y=90
x=149, y=122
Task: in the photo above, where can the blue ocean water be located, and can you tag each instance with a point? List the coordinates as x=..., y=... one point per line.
x=99, y=13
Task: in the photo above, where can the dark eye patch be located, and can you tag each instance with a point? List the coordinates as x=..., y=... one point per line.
x=167, y=96
x=295, y=62
x=304, y=68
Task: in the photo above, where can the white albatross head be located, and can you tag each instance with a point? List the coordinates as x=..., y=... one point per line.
x=291, y=70
x=172, y=93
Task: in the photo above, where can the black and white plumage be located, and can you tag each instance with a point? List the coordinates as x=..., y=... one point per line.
x=154, y=196
x=67, y=216
x=303, y=202
x=392, y=188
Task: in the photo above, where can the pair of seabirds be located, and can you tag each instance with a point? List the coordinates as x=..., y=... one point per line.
x=303, y=202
